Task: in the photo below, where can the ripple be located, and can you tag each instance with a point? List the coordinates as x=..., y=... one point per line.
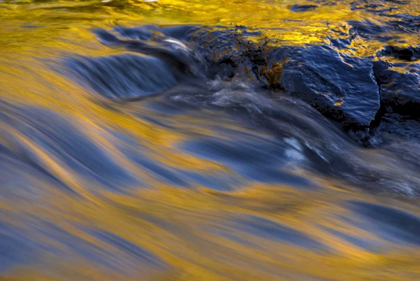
x=390, y=223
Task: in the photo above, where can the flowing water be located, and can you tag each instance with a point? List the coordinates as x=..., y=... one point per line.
x=122, y=158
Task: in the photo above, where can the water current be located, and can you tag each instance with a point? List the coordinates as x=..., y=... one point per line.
x=181, y=140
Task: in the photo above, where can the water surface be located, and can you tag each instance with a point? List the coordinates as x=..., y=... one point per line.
x=122, y=157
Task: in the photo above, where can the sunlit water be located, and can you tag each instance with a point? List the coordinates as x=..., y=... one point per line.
x=205, y=179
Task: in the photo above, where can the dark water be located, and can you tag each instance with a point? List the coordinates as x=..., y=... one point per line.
x=182, y=140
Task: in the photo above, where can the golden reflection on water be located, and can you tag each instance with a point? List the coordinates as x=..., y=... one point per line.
x=174, y=225
x=192, y=233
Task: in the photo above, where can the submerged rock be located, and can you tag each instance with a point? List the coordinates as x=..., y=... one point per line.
x=123, y=76
x=161, y=62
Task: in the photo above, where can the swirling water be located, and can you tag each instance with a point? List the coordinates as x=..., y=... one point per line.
x=123, y=158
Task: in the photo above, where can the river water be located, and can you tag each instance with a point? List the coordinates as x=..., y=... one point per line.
x=124, y=157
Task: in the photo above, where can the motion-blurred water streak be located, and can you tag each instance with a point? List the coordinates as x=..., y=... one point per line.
x=137, y=142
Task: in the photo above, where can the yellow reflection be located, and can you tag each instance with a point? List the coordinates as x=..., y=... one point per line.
x=179, y=226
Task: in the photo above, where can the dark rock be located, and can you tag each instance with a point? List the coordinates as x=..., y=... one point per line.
x=400, y=92
x=340, y=87
x=397, y=125
x=407, y=53
x=228, y=53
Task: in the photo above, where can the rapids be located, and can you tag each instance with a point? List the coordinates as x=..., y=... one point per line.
x=216, y=140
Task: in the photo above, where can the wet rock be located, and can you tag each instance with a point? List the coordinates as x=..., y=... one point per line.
x=338, y=86
x=400, y=92
x=394, y=125
x=403, y=53
x=229, y=53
